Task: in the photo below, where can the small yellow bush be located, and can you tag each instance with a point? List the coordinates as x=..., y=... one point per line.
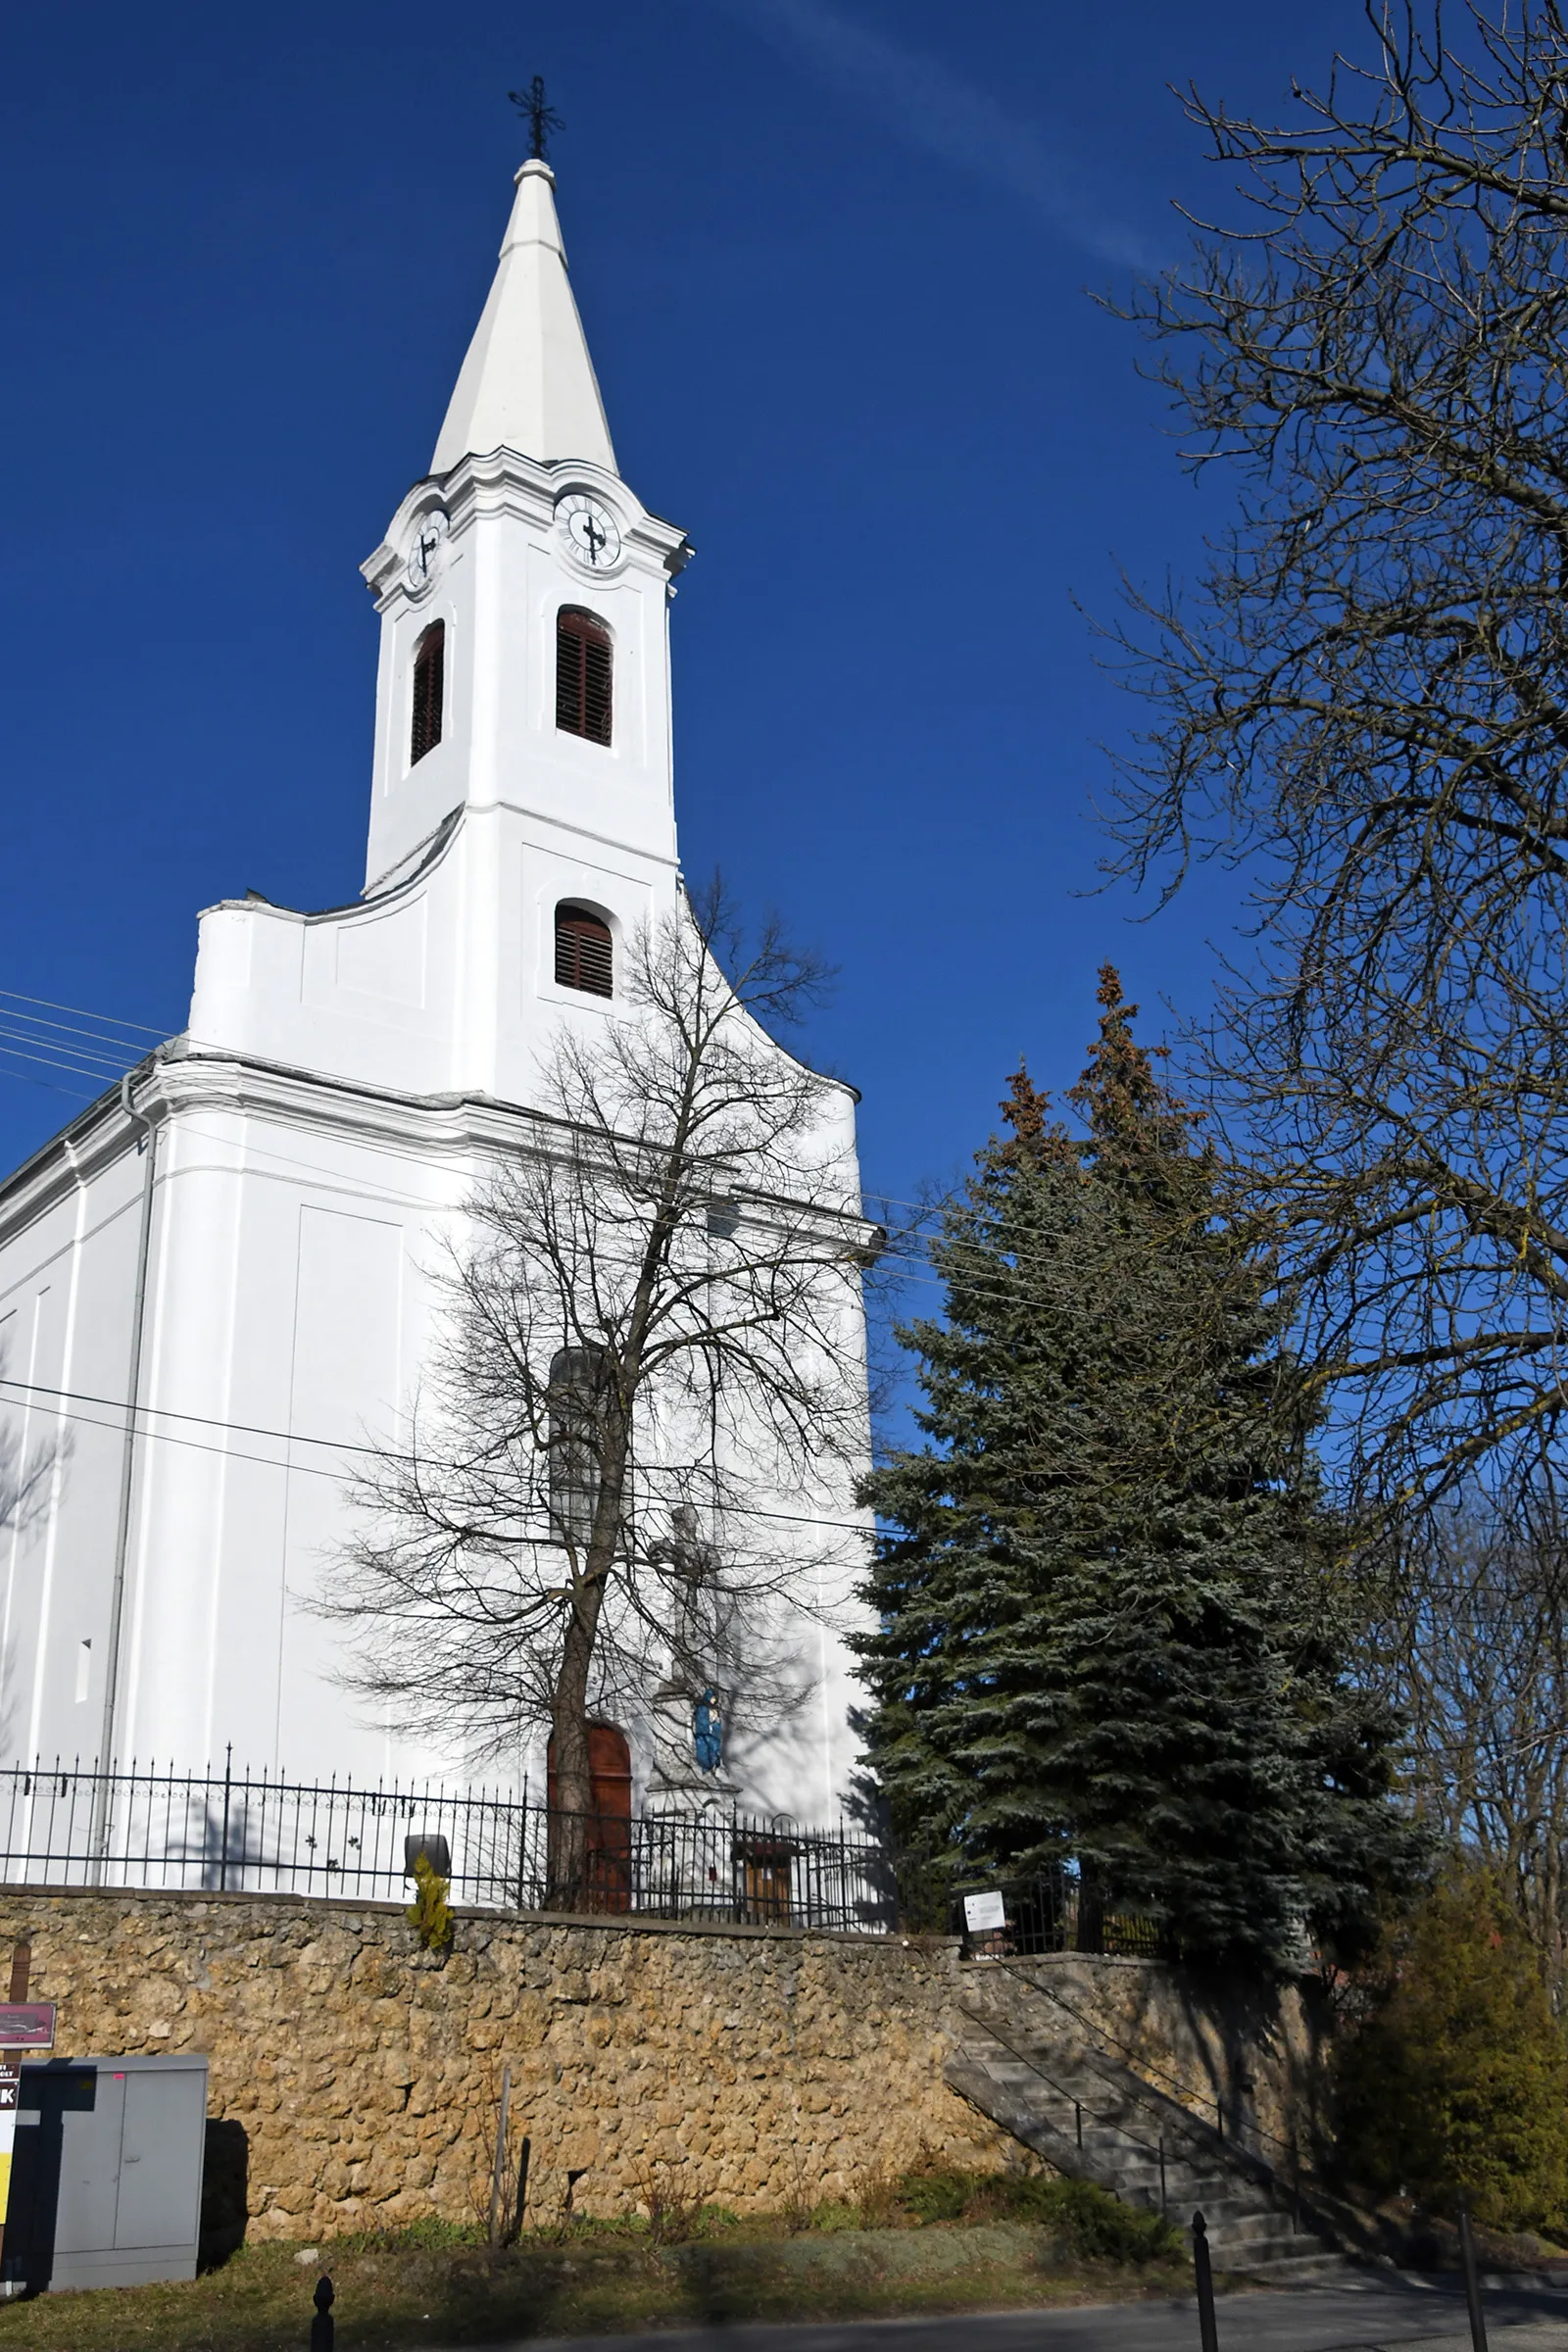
x=430, y=1914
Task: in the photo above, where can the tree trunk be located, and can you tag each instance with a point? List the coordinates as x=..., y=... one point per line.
x=570, y=1818
x=567, y=1821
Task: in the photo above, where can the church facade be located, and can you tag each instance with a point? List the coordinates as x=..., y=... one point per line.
x=239, y=1241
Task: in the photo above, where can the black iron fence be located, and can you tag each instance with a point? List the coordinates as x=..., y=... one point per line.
x=1014, y=1918
x=238, y=1832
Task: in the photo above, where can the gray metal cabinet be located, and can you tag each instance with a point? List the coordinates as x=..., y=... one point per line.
x=108, y=2183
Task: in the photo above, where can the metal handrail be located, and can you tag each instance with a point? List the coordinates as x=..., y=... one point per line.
x=1190, y=2129
x=1050, y=1994
x=1080, y=2107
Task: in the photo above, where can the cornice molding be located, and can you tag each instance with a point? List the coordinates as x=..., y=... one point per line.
x=506, y=483
x=186, y=1076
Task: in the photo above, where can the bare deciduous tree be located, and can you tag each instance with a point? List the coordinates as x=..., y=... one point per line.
x=1473, y=1646
x=1368, y=702
x=638, y=1435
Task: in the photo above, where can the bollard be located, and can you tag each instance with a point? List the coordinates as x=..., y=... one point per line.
x=1203, y=2271
x=1472, y=2283
x=321, y=2329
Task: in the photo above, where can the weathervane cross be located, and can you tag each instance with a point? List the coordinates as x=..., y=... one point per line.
x=542, y=116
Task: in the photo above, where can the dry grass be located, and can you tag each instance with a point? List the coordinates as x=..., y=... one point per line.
x=440, y=2287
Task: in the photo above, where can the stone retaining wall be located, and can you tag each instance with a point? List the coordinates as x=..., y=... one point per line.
x=355, y=2079
x=751, y=2067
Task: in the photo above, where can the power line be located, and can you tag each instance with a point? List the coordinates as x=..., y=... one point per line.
x=105, y=1020
x=917, y=1256
x=912, y=1257
x=284, y=1437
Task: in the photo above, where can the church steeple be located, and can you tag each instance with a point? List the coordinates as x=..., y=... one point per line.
x=527, y=383
x=524, y=591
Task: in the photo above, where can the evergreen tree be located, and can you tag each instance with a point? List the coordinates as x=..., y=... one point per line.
x=1455, y=2083
x=1110, y=1633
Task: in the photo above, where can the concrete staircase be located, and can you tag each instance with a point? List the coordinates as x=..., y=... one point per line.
x=1030, y=2066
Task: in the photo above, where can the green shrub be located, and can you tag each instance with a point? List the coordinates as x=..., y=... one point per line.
x=1092, y=2222
x=938, y=2195
x=1456, y=2080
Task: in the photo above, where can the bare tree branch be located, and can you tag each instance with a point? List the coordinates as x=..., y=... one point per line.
x=1366, y=703
x=630, y=1466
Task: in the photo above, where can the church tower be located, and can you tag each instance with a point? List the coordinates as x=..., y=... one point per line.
x=522, y=731
x=241, y=1241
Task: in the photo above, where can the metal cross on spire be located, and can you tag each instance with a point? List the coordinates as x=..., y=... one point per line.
x=541, y=116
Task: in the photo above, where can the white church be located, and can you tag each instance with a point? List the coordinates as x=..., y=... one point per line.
x=237, y=1243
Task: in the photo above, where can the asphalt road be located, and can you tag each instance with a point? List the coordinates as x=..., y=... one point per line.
x=1377, y=2311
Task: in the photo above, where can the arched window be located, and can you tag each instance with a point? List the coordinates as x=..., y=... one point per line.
x=579, y=1383
x=582, y=674
x=584, y=951
x=429, y=691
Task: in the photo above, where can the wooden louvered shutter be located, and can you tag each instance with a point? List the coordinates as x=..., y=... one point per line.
x=583, y=678
x=584, y=957
x=429, y=684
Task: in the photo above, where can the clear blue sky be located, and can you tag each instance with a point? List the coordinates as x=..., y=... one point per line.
x=832, y=255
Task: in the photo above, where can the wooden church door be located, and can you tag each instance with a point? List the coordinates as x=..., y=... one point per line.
x=609, y=1822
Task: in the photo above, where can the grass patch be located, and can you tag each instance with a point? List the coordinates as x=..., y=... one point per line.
x=948, y=2242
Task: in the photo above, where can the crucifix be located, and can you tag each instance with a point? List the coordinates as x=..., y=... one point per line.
x=542, y=117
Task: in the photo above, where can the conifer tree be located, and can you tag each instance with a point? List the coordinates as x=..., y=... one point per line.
x=1110, y=1640
x=1453, y=2082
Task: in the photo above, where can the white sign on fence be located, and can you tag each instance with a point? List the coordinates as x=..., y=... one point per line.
x=984, y=1911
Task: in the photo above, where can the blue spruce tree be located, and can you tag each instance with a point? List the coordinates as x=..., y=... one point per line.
x=1113, y=1636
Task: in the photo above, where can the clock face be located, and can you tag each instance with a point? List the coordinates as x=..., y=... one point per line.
x=592, y=534
x=424, y=550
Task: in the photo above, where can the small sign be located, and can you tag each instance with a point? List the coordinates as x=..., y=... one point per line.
x=27, y=2025
x=981, y=1912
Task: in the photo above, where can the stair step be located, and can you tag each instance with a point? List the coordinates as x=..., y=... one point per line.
x=1095, y=2120
x=1302, y=2270
x=1255, y=2229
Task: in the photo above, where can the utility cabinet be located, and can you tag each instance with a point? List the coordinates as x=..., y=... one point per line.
x=105, y=2184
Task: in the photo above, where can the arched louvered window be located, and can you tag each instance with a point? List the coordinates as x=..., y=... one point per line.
x=429, y=691
x=584, y=951
x=578, y=1395
x=582, y=674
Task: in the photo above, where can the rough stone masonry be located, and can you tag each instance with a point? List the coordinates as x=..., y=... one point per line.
x=754, y=2067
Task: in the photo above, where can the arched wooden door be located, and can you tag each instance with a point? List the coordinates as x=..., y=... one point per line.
x=608, y=1885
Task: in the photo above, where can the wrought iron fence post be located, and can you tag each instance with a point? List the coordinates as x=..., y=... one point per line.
x=1164, y=2201
x=1208, y=2334
x=1472, y=2279
x=1078, y=2120
x=222, y=1859
x=153, y=1826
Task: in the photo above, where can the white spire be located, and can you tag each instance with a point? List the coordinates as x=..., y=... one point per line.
x=527, y=382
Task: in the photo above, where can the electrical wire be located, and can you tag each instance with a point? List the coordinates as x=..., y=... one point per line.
x=284, y=1437
x=911, y=1258
x=915, y=1259
x=105, y=1020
